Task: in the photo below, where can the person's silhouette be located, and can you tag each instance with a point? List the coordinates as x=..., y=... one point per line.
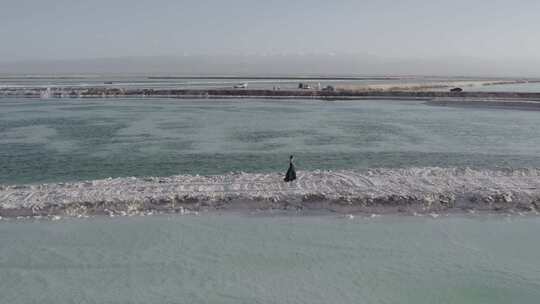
x=291, y=172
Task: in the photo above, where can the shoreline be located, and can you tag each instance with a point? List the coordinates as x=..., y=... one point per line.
x=411, y=191
x=108, y=92
x=496, y=100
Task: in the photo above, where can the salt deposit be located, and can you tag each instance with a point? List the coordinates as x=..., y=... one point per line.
x=411, y=190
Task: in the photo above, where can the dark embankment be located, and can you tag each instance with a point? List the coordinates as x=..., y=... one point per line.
x=78, y=92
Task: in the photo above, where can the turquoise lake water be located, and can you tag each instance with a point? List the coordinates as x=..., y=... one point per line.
x=532, y=87
x=231, y=258
x=56, y=140
x=240, y=259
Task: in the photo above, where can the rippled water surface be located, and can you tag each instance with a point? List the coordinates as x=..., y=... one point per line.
x=238, y=259
x=262, y=259
x=74, y=139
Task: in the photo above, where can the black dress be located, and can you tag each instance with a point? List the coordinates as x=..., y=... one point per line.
x=291, y=173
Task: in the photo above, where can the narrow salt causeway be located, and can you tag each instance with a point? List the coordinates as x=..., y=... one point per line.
x=409, y=191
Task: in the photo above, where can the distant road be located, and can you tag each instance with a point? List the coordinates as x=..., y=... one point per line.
x=280, y=78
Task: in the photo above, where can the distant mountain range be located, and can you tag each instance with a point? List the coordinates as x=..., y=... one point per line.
x=277, y=64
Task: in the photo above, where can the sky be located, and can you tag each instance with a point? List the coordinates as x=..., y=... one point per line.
x=411, y=30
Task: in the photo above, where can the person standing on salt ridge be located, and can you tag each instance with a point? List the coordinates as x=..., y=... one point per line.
x=291, y=172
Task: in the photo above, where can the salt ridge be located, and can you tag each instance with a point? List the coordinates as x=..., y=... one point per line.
x=410, y=190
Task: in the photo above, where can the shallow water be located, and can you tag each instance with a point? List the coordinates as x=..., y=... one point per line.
x=263, y=259
x=59, y=140
x=532, y=87
x=250, y=259
x=133, y=82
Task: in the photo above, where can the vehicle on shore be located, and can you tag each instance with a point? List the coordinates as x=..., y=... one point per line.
x=241, y=86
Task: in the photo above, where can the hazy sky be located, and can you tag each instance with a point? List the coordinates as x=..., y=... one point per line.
x=69, y=29
x=480, y=37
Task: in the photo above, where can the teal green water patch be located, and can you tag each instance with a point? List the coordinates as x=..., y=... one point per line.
x=252, y=136
x=37, y=164
x=83, y=106
x=74, y=139
x=275, y=259
x=184, y=125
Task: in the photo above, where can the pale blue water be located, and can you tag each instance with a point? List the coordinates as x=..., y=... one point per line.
x=251, y=259
x=79, y=139
x=238, y=259
x=533, y=87
x=141, y=81
x=132, y=82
